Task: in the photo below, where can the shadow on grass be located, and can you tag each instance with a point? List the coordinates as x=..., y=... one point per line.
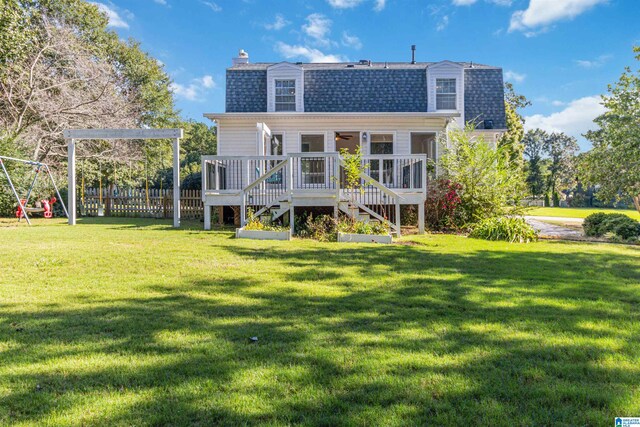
x=483, y=338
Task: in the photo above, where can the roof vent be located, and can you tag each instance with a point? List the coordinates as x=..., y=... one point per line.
x=364, y=62
x=350, y=66
x=413, y=53
x=471, y=64
x=242, y=58
x=386, y=65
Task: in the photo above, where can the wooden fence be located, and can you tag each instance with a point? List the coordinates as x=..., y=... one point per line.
x=138, y=203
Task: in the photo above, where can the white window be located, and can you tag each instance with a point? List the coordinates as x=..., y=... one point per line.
x=445, y=94
x=285, y=95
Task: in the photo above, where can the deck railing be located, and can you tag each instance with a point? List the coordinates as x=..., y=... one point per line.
x=311, y=171
x=263, y=181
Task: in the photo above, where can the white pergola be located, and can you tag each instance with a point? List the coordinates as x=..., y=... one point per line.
x=72, y=135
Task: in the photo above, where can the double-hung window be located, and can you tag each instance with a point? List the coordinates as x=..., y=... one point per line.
x=445, y=94
x=285, y=95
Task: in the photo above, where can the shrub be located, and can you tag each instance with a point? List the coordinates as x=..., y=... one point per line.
x=490, y=186
x=599, y=224
x=592, y=223
x=361, y=227
x=441, y=206
x=254, y=223
x=510, y=229
x=324, y=228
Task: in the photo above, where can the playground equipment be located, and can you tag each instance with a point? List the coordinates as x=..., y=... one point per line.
x=46, y=206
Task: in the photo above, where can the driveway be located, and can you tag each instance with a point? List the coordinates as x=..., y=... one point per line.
x=552, y=231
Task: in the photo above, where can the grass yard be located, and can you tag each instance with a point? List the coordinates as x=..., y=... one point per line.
x=579, y=212
x=129, y=322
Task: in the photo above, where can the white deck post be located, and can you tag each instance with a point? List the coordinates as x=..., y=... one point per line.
x=71, y=175
x=292, y=219
x=207, y=217
x=421, y=218
x=176, y=183
x=398, y=222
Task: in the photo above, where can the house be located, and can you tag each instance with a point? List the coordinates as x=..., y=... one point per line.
x=286, y=123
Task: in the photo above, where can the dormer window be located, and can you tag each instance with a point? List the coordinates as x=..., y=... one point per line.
x=445, y=94
x=285, y=95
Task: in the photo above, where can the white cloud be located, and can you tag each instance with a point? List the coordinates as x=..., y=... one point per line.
x=351, y=41
x=195, y=90
x=380, y=4
x=208, y=82
x=575, y=119
x=593, y=63
x=162, y=2
x=278, y=23
x=558, y=103
x=344, y=4
x=317, y=27
x=513, y=76
x=310, y=54
x=542, y=13
x=115, y=20
x=211, y=5
x=443, y=23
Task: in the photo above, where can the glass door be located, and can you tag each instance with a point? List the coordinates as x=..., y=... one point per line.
x=313, y=169
x=382, y=170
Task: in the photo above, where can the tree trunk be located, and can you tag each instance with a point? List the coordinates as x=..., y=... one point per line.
x=636, y=202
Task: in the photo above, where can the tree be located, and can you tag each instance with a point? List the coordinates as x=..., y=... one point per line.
x=614, y=163
x=561, y=150
x=62, y=68
x=490, y=187
x=534, y=143
x=511, y=141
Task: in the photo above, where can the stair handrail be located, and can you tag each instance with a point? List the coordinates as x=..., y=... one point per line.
x=254, y=184
x=264, y=177
x=375, y=183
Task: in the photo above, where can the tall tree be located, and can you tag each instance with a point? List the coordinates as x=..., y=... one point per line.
x=511, y=141
x=534, y=143
x=63, y=69
x=561, y=150
x=614, y=162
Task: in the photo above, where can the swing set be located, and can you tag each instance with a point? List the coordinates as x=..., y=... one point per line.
x=45, y=206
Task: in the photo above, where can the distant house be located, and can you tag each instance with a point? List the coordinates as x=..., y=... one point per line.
x=285, y=124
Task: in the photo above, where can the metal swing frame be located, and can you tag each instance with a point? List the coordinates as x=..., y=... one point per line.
x=39, y=167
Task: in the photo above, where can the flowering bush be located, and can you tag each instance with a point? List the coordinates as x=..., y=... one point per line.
x=441, y=206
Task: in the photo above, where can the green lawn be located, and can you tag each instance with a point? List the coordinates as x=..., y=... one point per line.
x=125, y=322
x=579, y=212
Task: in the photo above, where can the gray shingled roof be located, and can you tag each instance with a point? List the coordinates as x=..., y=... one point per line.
x=356, y=65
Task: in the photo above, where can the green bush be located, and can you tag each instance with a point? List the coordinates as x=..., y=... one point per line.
x=254, y=223
x=599, y=224
x=510, y=229
x=592, y=223
x=325, y=228
x=360, y=227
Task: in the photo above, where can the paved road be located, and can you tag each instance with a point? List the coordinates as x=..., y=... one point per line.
x=553, y=231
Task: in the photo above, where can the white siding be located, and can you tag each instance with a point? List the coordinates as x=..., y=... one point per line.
x=238, y=136
x=285, y=71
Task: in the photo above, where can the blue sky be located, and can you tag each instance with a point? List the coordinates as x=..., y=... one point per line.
x=561, y=54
